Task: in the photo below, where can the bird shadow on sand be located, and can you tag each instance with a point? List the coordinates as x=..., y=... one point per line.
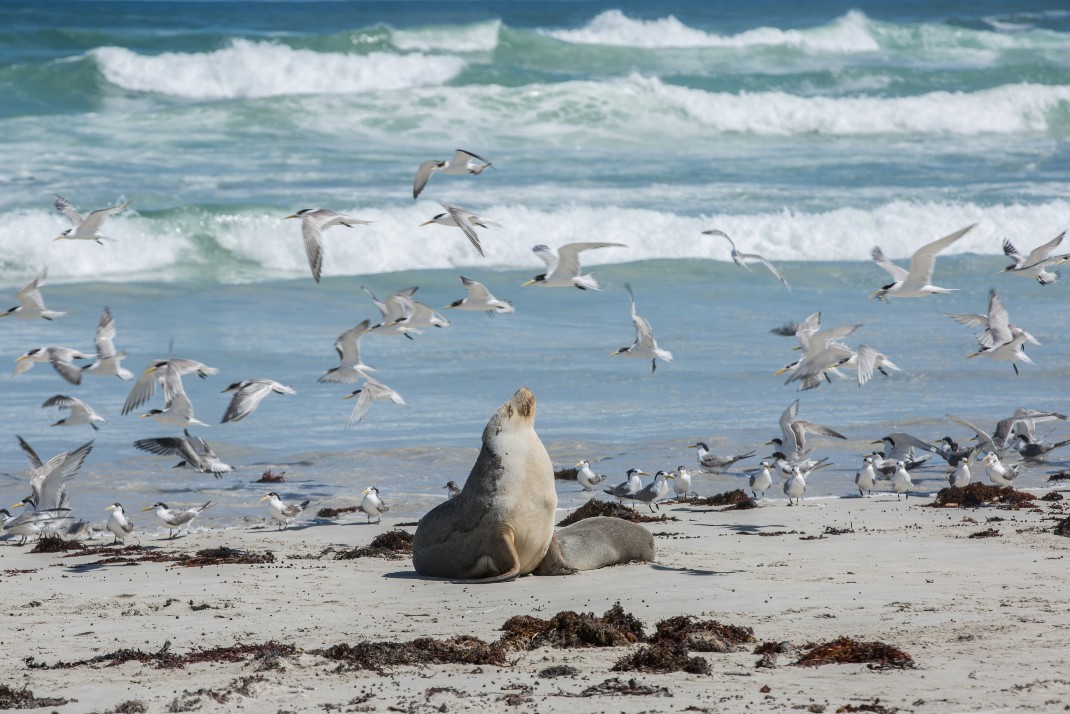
x=692, y=571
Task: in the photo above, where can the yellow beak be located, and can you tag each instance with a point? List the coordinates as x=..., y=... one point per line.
x=267, y=498
x=530, y=282
x=148, y=508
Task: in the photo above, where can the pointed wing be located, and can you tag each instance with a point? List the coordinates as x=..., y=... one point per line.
x=477, y=292
x=313, y=247
x=423, y=173
x=768, y=265
x=29, y=296
x=61, y=362
x=348, y=343
x=31, y=455
x=361, y=408
x=94, y=220
x=998, y=320
x=55, y=483
x=568, y=256
x=547, y=256
x=1011, y=252
x=1041, y=251
x=924, y=259
x=64, y=206
x=180, y=406
x=969, y=319
x=247, y=399
x=898, y=274
x=104, y=336
x=644, y=333
x=64, y=403
x=142, y=391
x=460, y=217
x=786, y=418
x=867, y=363
x=461, y=157
x=982, y=436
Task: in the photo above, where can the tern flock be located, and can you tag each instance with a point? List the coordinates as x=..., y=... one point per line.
x=824, y=355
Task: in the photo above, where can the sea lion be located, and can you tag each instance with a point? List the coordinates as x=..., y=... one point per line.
x=595, y=543
x=500, y=525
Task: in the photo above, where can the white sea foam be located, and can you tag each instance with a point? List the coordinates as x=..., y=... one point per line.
x=849, y=33
x=478, y=37
x=258, y=246
x=247, y=69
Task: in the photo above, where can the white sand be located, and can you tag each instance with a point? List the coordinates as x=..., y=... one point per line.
x=986, y=620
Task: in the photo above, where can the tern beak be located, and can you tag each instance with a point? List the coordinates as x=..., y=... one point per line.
x=973, y=355
x=20, y=504
x=292, y=216
x=110, y=508
x=143, y=416
x=267, y=498
x=530, y=282
x=148, y=508
x=425, y=223
x=57, y=238
x=780, y=372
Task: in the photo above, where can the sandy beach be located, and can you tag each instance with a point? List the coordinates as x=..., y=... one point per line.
x=983, y=618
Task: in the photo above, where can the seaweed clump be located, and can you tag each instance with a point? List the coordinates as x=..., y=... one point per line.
x=1062, y=528
x=164, y=658
x=379, y=656
x=335, y=512
x=24, y=699
x=55, y=544
x=395, y=544
x=980, y=494
x=702, y=635
x=661, y=659
x=845, y=650
x=737, y=499
x=610, y=509
x=270, y=476
x=616, y=628
x=225, y=556
x=568, y=474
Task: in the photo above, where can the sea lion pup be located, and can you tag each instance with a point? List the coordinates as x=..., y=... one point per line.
x=595, y=543
x=500, y=525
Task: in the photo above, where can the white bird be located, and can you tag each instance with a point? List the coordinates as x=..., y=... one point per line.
x=372, y=505
x=631, y=486
x=917, y=282
x=109, y=362
x=61, y=359
x=168, y=374
x=741, y=259
x=960, y=477
x=87, y=228
x=284, y=513
x=586, y=477
x=682, y=483
x=178, y=411
x=1007, y=342
x=1036, y=263
x=372, y=390
x=393, y=312
x=36, y=522
x=176, y=520
x=1023, y=422
x=795, y=486
x=761, y=479
x=480, y=299
x=31, y=305
x=193, y=450
x=79, y=411
x=794, y=431
x=462, y=162
x=901, y=482
x=350, y=366
x=866, y=479
x=1001, y=474
x=465, y=220
x=712, y=462
x=868, y=360
x=655, y=490
x=118, y=523
x=48, y=490
x=644, y=347
x=247, y=396
x=313, y=222
x=563, y=269
x=452, y=489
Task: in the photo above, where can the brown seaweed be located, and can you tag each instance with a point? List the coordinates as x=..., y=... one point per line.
x=164, y=658
x=980, y=494
x=661, y=659
x=225, y=556
x=335, y=512
x=55, y=544
x=611, y=509
x=380, y=656
x=24, y=699
x=270, y=476
x=393, y=545
x=845, y=650
x=702, y=635
x=569, y=629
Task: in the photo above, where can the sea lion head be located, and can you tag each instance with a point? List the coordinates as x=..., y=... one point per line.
x=517, y=413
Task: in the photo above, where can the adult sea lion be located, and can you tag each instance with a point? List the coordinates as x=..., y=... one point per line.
x=501, y=525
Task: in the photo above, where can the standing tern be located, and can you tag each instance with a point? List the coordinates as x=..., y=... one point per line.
x=479, y=298
x=586, y=477
x=682, y=483
x=631, y=486
x=795, y=486
x=372, y=505
x=313, y=222
x=248, y=394
x=901, y=482
x=644, y=347
x=284, y=513
x=31, y=305
x=176, y=520
x=761, y=479
x=712, y=462
x=1001, y=474
x=462, y=162
x=866, y=478
x=563, y=269
x=917, y=282
x=87, y=228
x=654, y=491
x=741, y=259
x=1035, y=264
x=118, y=523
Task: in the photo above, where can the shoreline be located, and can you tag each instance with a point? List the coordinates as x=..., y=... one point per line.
x=980, y=616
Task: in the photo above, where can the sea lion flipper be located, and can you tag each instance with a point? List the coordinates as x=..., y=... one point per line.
x=500, y=556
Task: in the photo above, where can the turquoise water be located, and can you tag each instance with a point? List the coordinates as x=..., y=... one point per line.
x=808, y=133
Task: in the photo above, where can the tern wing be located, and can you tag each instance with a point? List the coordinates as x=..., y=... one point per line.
x=95, y=219
x=969, y=319
x=477, y=292
x=423, y=173
x=569, y=256
x=998, y=320
x=55, y=483
x=64, y=206
x=1041, y=251
x=247, y=399
x=547, y=256
x=31, y=455
x=786, y=418
x=768, y=265
x=898, y=274
x=924, y=259
x=348, y=343
x=104, y=336
x=461, y=158
x=867, y=363
x=61, y=362
x=313, y=247
x=361, y=408
x=29, y=296
x=461, y=218
x=1011, y=252
x=982, y=436
x=644, y=333
x=142, y=391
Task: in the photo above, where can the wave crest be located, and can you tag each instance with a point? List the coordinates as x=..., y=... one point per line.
x=247, y=69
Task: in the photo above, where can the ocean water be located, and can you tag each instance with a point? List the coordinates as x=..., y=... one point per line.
x=809, y=132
